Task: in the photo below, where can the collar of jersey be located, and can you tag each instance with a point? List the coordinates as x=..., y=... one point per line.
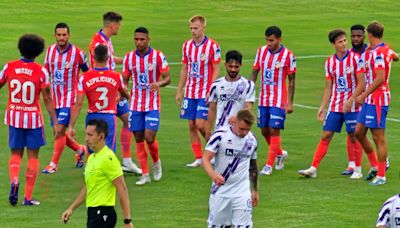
x=344, y=57
x=100, y=69
x=202, y=42
x=148, y=52
x=103, y=35
x=379, y=45
x=27, y=60
x=232, y=81
x=66, y=50
x=279, y=50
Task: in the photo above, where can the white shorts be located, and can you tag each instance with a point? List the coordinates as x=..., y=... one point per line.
x=224, y=211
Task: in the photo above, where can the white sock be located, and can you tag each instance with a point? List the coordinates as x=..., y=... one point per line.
x=352, y=164
x=126, y=160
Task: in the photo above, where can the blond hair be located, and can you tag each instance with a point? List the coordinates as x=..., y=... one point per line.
x=200, y=18
x=247, y=116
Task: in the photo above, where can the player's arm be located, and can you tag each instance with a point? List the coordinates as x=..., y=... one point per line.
x=79, y=199
x=212, y=112
x=216, y=177
x=325, y=100
x=48, y=102
x=166, y=80
x=215, y=71
x=253, y=171
x=253, y=76
x=289, y=108
x=119, y=183
x=118, y=60
x=75, y=112
x=379, y=79
x=182, y=82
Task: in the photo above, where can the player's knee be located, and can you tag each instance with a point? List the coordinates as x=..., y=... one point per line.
x=150, y=140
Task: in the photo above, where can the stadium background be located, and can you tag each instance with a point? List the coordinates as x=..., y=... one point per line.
x=181, y=198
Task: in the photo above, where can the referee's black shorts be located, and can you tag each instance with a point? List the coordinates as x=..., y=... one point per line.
x=101, y=217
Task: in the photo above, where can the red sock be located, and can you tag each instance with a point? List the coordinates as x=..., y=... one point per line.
x=381, y=169
x=350, y=150
x=153, y=149
x=126, y=138
x=358, y=153
x=274, y=149
x=142, y=157
x=13, y=166
x=31, y=174
x=372, y=158
x=197, y=151
x=320, y=152
x=59, y=144
x=71, y=143
x=268, y=139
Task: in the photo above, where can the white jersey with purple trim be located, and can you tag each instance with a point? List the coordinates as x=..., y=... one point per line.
x=230, y=97
x=232, y=161
x=389, y=215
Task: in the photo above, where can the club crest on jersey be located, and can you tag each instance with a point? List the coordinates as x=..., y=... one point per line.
x=150, y=67
x=203, y=57
x=67, y=65
x=277, y=65
x=240, y=88
x=349, y=70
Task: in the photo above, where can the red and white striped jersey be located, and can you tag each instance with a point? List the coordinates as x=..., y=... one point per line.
x=343, y=73
x=101, y=87
x=274, y=69
x=25, y=80
x=100, y=38
x=379, y=58
x=144, y=70
x=64, y=71
x=200, y=60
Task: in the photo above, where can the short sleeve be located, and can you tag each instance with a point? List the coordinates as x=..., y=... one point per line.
x=216, y=58
x=44, y=81
x=328, y=75
x=111, y=166
x=80, y=85
x=251, y=92
x=379, y=60
x=3, y=74
x=125, y=66
x=213, y=93
x=359, y=63
x=292, y=64
x=214, y=141
x=256, y=64
x=162, y=62
x=83, y=62
x=184, y=56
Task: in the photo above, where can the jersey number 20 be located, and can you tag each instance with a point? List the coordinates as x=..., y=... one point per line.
x=28, y=91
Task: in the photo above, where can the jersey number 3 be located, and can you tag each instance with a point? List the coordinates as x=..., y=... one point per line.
x=102, y=99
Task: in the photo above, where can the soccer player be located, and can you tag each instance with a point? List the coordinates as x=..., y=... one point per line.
x=101, y=86
x=145, y=66
x=111, y=25
x=103, y=178
x=375, y=102
x=229, y=94
x=200, y=67
x=276, y=63
x=345, y=80
x=235, y=151
x=64, y=61
x=389, y=216
x=26, y=81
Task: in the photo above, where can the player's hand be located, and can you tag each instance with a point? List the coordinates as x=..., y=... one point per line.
x=154, y=87
x=65, y=216
x=130, y=225
x=178, y=98
x=360, y=99
x=347, y=105
x=289, y=108
x=321, y=114
x=72, y=133
x=57, y=130
x=218, y=179
x=254, y=199
x=207, y=135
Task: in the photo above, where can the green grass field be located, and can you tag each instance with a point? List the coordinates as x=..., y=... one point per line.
x=181, y=198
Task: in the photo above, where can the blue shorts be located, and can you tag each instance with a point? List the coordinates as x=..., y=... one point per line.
x=63, y=116
x=139, y=121
x=122, y=107
x=112, y=128
x=192, y=109
x=271, y=117
x=334, y=121
x=368, y=116
x=19, y=138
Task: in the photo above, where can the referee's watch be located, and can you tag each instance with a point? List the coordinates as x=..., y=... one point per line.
x=127, y=221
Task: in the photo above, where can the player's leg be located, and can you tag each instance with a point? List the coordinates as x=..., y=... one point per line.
x=354, y=149
x=276, y=118
x=219, y=211
x=35, y=140
x=58, y=146
x=16, y=142
x=189, y=111
x=152, y=124
x=137, y=126
x=242, y=211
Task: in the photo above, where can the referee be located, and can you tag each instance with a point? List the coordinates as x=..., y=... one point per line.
x=103, y=176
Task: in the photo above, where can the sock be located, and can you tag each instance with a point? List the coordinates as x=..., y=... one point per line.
x=373, y=159
x=142, y=157
x=71, y=143
x=358, y=153
x=274, y=148
x=126, y=138
x=31, y=174
x=13, y=166
x=153, y=149
x=197, y=151
x=350, y=150
x=320, y=152
x=268, y=139
x=59, y=144
x=381, y=169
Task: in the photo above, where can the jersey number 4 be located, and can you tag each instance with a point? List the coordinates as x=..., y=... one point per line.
x=103, y=99
x=27, y=89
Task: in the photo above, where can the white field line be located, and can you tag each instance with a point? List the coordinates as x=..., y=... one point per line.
x=302, y=106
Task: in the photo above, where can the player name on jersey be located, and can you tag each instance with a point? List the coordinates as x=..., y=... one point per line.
x=98, y=79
